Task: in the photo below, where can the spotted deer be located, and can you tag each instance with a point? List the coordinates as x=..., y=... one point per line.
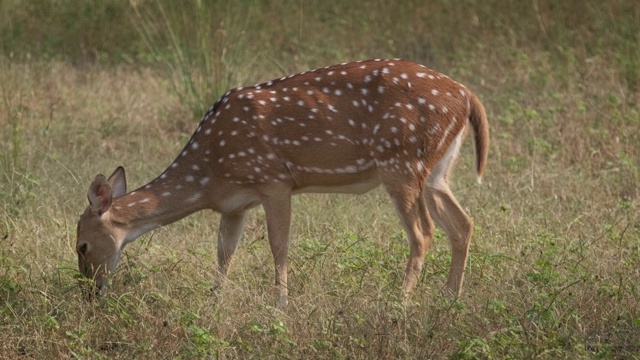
x=341, y=129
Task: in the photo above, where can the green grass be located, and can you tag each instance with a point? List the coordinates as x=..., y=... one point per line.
x=553, y=269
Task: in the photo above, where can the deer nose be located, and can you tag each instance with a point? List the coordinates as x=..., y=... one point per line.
x=82, y=248
x=101, y=290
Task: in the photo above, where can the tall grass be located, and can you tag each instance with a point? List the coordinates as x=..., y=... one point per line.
x=200, y=44
x=553, y=265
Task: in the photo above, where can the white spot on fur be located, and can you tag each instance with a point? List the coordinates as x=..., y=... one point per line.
x=195, y=197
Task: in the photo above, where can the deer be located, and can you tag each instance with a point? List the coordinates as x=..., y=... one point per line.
x=346, y=128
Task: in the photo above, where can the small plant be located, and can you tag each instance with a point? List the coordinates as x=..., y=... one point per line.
x=203, y=342
x=276, y=331
x=76, y=343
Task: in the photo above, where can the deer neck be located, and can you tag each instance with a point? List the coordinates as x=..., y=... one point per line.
x=160, y=202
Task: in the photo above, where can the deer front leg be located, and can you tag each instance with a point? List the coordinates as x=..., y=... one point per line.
x=228, y=238
x=278, y=212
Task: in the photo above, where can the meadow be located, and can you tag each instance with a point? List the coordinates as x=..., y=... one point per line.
x=554, y=266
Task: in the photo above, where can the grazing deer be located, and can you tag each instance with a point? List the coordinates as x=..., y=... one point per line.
x=342, y=129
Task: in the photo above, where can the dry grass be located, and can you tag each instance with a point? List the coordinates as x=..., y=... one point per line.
x=553, y=271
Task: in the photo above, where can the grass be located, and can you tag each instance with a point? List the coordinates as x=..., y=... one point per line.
x=553, y=271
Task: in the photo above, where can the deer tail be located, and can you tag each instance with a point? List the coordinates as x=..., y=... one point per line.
x=478, y=120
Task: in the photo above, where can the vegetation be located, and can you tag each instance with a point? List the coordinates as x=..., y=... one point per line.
x=553, y=272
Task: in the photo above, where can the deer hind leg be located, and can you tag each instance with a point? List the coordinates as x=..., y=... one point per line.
x=450, y=216
x=419, y=243
x=458, y=226
x=413, y=214
x=228, y=238
x=277, y=209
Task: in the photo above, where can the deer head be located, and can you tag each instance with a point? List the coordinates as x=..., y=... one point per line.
x=99, y=239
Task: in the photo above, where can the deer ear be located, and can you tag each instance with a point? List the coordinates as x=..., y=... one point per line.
x=118, y=182
x=100, y=195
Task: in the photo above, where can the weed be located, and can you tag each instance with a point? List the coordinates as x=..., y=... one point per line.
x=77, y=345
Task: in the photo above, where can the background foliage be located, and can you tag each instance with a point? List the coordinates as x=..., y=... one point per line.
x=89, y=85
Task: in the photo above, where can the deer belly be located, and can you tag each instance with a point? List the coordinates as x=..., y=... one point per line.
x=355, y=183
